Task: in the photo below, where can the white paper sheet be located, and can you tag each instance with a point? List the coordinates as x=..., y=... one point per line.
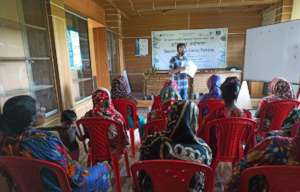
x=190, y=69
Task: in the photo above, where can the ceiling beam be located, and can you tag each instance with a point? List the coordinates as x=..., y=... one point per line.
x=111, y=3
x=133, y=7
x=220, y=4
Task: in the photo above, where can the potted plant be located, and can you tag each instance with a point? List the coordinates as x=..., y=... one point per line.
x=147, y=76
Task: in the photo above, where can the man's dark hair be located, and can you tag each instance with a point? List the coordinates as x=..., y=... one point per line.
x=181, y=45
x=68, y=116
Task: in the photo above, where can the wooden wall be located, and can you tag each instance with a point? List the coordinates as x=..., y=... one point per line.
x=87, y=8
x=139, y=27
x=296, y=10
x=100, y=39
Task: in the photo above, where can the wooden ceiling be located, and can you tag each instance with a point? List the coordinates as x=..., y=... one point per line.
x=146, y=7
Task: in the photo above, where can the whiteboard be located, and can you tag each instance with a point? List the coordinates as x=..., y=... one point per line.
x=273, y=51
x=206, y=48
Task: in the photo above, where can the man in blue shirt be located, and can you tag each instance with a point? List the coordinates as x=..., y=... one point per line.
x=177, y=66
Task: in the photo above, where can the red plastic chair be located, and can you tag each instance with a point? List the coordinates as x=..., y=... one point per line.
x=295, y=129
x=157, y=125
x=278, y=111
x=171, y=175
x=280, y=178
x=162, y=111
x=99, y=147
x=230, y=133
x=156, y=103
x=26, y=173
x=206, y=108
x=122, y=105
x=165, y=106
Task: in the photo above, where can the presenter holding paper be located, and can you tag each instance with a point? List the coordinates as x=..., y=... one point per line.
x=178, y=65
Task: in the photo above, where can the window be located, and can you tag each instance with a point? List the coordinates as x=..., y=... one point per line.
x=79, y=53
x=26, y=62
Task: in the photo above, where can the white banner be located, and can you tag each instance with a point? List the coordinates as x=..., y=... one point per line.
x=207, y=48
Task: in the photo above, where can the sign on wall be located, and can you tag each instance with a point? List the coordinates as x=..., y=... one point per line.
x=141, y=47
x=74, y=50
x=206, y=48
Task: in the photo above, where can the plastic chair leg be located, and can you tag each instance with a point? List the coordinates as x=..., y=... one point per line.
x=131, y=133
x=127, y=163
x=89, y=159
x=115, y=166
x=214, y=165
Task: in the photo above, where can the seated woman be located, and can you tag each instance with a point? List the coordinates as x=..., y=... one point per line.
x=103, y=108
x=178, y=142
x=120, y=90
x=214, y=87
x=292, y=119
x=279, y=89
x=230, y=91
x=168, y=95
x=274, y=150
x=19, y=138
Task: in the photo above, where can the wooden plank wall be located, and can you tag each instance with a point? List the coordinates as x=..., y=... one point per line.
x=139, y=27
x=100, y=41
x=87, y=8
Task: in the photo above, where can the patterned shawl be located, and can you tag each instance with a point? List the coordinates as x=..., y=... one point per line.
x=168, y=96
x=104, y=108
x=120, y=88
x=38, y=144
x=179, y=140
x=169, y=92
x=280, y=88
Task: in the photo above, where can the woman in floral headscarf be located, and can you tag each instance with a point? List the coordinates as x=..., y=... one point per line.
x=214, y=87
x=168, y=95
x=274, y=150
x=292, y=120
x=103, y=108
x=279, y=89
x=120, y=89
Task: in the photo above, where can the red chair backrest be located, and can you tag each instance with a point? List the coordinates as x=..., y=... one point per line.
x=230, y=134
x=156, y=103
x=171, y=175
x=165, y=106
x=97, y=130
x=156, y=125
x=278, y=111
x=122, y=105
x=295, y=129
x=280, y=178
x=27, y=173
x=207, y=107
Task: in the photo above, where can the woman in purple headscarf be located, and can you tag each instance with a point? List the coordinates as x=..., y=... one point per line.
x=213, y=85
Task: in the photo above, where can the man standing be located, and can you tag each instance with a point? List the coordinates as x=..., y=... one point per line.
x=178, y=64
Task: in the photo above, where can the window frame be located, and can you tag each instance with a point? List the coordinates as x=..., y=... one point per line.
x=77, y=81
x=28, y=59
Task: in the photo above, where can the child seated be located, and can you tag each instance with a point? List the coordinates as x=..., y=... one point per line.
x=67, y=132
